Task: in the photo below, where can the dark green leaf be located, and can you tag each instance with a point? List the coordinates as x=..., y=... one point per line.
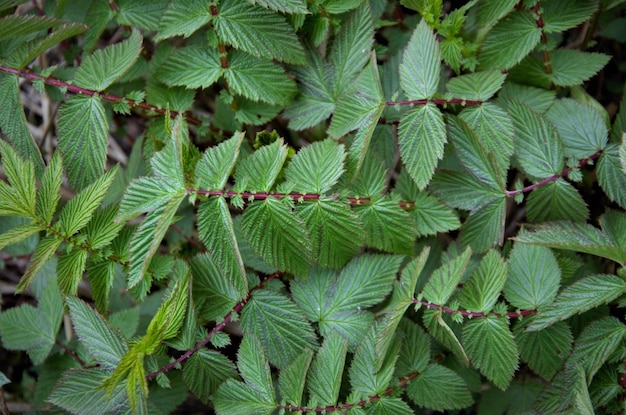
x=478, y=86
x=387, y=226
x=463, y=191
x=317, y=167
x=560, y=15
x=443, y=282
x=544, y=350
x=415, y=351
x=558, y=200
x=16, y=26
x=292, y=379
x=324, y=378
x=431, y=216
x=490, y=11
x=439, y=388
x=572, y=67
x=191, y=67
x=285, y=6
x=142, y=14
x=213, y=295
x=485, y=227
x=183, y=18
x=205, y=371
x=611, y=175
x=421, y=64
x=482, y=290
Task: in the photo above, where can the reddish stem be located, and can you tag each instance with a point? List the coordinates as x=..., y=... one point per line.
x=465, y=313
x=436, y=102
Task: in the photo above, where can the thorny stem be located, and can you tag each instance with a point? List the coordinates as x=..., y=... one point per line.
x=465, y=313
x=564, y=173
x=544, y=40
x=90, y=92
x=219, y=327
x=402, y=382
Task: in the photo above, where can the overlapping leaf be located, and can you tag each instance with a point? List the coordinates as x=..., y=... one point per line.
x=324, y=378
x=477, y=86
x=19, y=198
x=387, y=226
x=317, y=167
x=205, y=371
x=485, y=227
x=558, y=200
x=482, y=290
x=611, y=175
x=213, y=170
x=439, y=388
x=191, y=67
x=182, y=18
x=444, y=280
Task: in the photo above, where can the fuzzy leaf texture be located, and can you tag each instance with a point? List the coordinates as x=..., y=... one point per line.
x=421, y=64
x=442, y=283
x=482, y=290
x=324, y=378
x=439, y=388
x=19, y=197
x=191, y=67
x=100, y=69
x=317, y=167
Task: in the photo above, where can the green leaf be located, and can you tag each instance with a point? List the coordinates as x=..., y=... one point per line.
x=534, y=277
x=485, y=227
x=372, y=370
x=478, y=86
x=79, y=211
x=596, y=343
x=19, y=233
x=359, y=146
x=335, y=231
x=389, y=406
x=279, y=325
x=544, y=350
x=215, y=228
x=102, y=228
x=573, y=67
x=285, y=6
x=363, y=102
x=259, y=171
x=421, y=64
x=446, y=331
x=182, y=18
x=258, y=79
x=278, y=235
x=613, y=223
x=558, y=200
x=538, y=99
x=80, y=391
x=292, y=379
x=95, y=334
x=431, y=216
x=463, y=191
x=561, y=15
x=142, y=14
x=13, y=122
x=16, y=26
x=579, y=297
x=387, y=226
x=191, y=67
x=611, y=175
x=482, y=290
x=146, y=194
x=490, y=11
x=82, y=132
x=4, y=380
x=580, y=237
x=510, y=40
x=260, y=32
x=105, y=66
x=439, y=388
x=21, y=176
x=352, y=48
x=215, y=166
x=324, y=378
x=213, y=295
x=317, y=167
x=421, y=138
x=491, y=348
x=236, y=398
x=48, y=194
x=169, y=318
x=71, y=266
x=443, y=281
x=415, y=351
x=205, y=371
x=253, y=366
x=538, y=146
x=44, y=251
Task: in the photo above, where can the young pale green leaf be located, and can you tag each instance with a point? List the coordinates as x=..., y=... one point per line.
x=558, y=200
x=473, y=154
x=70, y=268
x=579, y=297
x=80, y=391
x=573, y=67
x=95, y=334
x=205, y=371
x=102, y=228
x=48, y=194
x=316, y=168
x=257, y=31
x=439, y=388
x=444, y=280
x=485, y=227
x=421, y=64
x=387, y=226
x=260, y=170
x=13, y=122
x=182, y=18
x=44, y=251
x=19, y=233
x=169, y=318
x=580, y=237
x=285, y=6
x=363, y=101
x=596, y=344
x=292, y=379
x=258, y=79
x=482, y=290
x=82, y=133
x=534, y=277
x=213, y=170
x=79, y=211
x=611, y=175
x=191, y=67
x=491, y=348
x=478, y=86
x=544, y=350
x=490, y=11
x=279, y=326
x=16, y=26
x=581, y=127
x=21, y=176
x=146, y=194
x=105, y=66
x=278, y=235
x=335, y=231
x=613, y=223
x=421, y=138
x=213, y=295
x=351, y=48
x=510, y=40
x=538, y=147
x=316, y=100
x=215, y=228
x=148, y=236
x=561, y=15
x=324, y=378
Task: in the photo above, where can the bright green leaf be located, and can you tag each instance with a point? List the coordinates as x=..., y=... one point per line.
x=439, y=388
x=443, y=282
x=558, y=200
x=70, y=267
x=191, y=67
x=21, y=176
x=48, y=194
x=213, y=170
x=44, y=251
x=260, y=170
x=421, y=64
x=482, y=290
x=324, y=378
x=317, y=167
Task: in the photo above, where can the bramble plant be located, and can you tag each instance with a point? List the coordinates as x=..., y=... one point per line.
x=290, y=206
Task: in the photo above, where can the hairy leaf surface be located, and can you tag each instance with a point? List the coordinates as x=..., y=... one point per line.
x=421, y=64
x=191, y=67
x=439, y=388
